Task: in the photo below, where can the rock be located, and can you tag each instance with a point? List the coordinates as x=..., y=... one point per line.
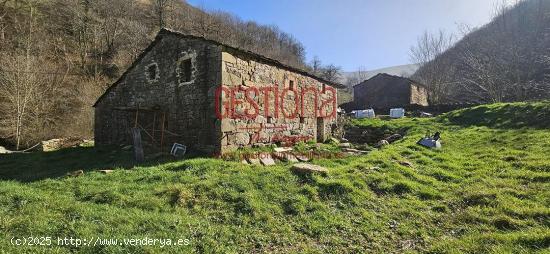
x=229, y=58
x=87, y=143
x=381, y=143
x=351, y=150
x=3, y=150
x=52, y=145
x=405, y=163
x=244, y=162
x=76, y=173
x=291, y=158
x=344, y=145
x=260, y=118
x=105, y=171
x=253, y=160
x=394, y=138
x=127, y=148
x=279, y=156
x=302, y=158
x=306, y=168
x=228, y=125
x=286, y=157
x=242, y=138
x=364, y=147
x=282, y=149
x=59, y=143
x=344, y=140
x=266, y=159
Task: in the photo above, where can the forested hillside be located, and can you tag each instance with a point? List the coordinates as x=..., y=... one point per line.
x=58, y=56
x=505, y=60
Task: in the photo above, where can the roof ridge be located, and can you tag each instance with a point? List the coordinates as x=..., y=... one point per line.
x=257, y=55
x=392, y=76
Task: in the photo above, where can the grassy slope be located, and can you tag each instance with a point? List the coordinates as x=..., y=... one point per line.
x=485, y=191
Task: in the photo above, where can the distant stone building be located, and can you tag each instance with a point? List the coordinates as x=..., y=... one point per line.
x=385, y=91
x=212, y=98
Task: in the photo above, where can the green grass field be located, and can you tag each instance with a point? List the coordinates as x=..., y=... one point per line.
x=486, y=190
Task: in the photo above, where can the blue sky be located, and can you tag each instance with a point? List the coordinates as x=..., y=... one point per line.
x=353, y=33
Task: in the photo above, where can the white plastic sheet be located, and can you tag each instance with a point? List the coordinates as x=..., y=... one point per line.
x=397, y=112
x=368, y=113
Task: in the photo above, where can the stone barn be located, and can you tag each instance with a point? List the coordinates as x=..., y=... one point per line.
x=385, y=91
x=212, y=98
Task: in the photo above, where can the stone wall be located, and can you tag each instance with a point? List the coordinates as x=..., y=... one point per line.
x=188, y=106
x=202, y=113
x=382, y=91
x=386, y=91
x=419, y=95
x=251, y=80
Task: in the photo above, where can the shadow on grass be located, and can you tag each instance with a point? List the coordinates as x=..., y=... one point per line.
x=503, y=116
x=28, y=167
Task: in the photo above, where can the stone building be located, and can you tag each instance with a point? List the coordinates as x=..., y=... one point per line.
x=212, y=98
x=385, y=91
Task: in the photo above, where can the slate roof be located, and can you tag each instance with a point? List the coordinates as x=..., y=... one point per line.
x=392, y=76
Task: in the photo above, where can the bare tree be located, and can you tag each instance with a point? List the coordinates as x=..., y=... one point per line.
x=356, y=77
x=501, y=61
x=18, y=89
x=316, y=65
x=29, y=82
x=505, y=63
x=331, y=72
x=426, y=52
x=3, y=24
x=162, y=8
x=19, y=83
